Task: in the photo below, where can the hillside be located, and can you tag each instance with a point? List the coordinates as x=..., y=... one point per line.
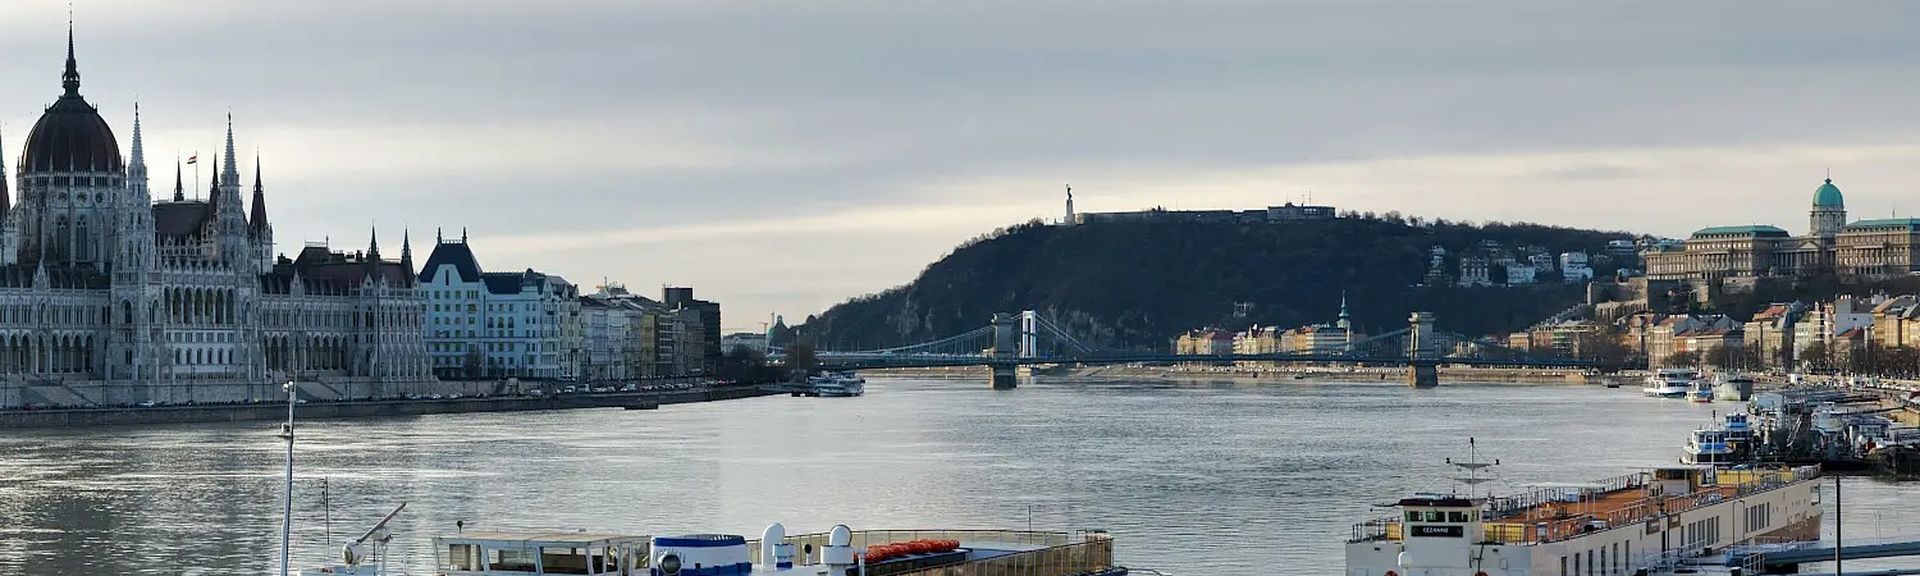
x=1136, y=284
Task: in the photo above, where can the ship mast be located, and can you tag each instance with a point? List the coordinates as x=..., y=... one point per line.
x=1473, y=465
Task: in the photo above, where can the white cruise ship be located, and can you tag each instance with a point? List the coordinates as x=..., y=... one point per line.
x=1619, y=525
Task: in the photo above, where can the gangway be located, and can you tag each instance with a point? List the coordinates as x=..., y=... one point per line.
x=1811, y=552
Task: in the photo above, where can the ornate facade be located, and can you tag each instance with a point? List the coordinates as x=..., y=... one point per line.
x=108, y=297
x=1866, y=248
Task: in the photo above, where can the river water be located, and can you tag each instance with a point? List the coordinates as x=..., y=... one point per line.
x=1195, y=478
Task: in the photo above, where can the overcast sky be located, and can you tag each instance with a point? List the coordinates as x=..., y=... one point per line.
x=784, y=156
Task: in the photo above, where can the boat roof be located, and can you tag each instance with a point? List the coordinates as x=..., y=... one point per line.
x=540, y=538
x=1450, y=501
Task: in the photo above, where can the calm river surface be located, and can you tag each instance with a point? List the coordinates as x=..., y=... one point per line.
x=1191, y=479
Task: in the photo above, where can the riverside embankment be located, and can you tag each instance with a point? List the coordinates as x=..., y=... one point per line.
x=345, y=409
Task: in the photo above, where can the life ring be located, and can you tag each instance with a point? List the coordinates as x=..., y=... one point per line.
x=1392, y=573
x=1480, y=573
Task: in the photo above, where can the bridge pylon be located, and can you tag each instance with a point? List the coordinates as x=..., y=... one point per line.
x=1003, y=358
x=1423, y=357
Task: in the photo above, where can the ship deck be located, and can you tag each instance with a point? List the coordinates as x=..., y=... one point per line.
x=1554, y=513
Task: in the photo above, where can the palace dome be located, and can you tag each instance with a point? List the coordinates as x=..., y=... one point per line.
x=1828, y=196
x=71, y=135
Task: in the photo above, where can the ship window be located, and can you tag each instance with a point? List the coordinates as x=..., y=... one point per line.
x=461, y=557
x=1457, y=516
x=1434, y=516
x=510, y=560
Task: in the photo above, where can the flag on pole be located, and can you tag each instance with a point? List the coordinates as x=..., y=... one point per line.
x=194, y=159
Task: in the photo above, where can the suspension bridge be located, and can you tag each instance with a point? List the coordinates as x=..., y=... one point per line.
x=1012, y=340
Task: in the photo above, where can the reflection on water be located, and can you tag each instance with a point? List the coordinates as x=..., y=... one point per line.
x=1192, y=479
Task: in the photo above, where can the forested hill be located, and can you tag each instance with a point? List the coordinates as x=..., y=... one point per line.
x=1137, y=284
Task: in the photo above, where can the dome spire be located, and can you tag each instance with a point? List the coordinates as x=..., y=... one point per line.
x=70, y=80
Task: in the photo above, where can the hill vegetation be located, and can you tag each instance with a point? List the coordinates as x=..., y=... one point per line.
x=1137, y=284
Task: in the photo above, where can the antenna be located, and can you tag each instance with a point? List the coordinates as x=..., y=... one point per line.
x=1473, y=465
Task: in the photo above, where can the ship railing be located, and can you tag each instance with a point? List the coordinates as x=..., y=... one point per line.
x=1382, y=528
x=1093, y=555
x=1505, y=506
x=999, y=539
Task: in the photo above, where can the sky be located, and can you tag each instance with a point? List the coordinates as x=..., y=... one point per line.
x=781, y=157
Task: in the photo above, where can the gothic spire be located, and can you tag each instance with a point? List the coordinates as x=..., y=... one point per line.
x=6, y=200
x=406, y=256
x=232, y=167
x=137, y=170
x=257, y=222
x=70, y=80
x=373, y=243
x=179, y=190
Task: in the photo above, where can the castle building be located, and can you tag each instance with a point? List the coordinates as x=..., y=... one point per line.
x=1862, y=249
x=107, y=297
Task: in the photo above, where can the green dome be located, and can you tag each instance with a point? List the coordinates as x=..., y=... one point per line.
x=1827, y=196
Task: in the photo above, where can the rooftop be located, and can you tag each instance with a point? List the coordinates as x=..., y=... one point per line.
x=1741, y=230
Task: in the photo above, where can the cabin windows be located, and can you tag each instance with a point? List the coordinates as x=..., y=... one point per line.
x=1457, y=516
x=1759, y=517
x=564, y=560
x=510, y=560
x=463, y=558
x=1563, y=566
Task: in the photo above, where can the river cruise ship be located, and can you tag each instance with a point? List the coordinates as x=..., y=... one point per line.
x=1647, y=520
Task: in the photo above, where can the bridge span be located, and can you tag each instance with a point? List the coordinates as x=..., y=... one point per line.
x=1024, y=339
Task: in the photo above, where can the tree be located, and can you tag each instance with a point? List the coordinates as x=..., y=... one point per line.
x=1816, y=357
x=800, y=357
x=1687, y=359
x=1603, y=348
x=475, y=363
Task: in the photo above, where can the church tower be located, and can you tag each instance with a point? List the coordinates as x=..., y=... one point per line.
x=229, y=216
x=1829, y=212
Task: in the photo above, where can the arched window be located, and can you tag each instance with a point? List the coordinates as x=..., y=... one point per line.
x=83, y=241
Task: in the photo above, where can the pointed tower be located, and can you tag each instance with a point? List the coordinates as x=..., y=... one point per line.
x=259, y=229
x=406, y=257
x=229, y=211
x=6, y=199
x=179, y=190
x=137, y=168
x=373, y=243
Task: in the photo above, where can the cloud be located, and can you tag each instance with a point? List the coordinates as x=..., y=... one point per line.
x=841, y=144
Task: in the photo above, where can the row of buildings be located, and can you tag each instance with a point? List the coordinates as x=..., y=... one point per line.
x=114, y=295
x=1314, y=339
x=1787, y=335
x=530, y=324
x=1492, y=264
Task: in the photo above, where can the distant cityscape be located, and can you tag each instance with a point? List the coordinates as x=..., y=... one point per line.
x=1664, y=315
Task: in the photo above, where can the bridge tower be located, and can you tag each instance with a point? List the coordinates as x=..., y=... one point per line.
x=1029, y=334
x=1003, y=357
x=1423, y=355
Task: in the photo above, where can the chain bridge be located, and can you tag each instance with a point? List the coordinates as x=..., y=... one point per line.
x=1012, y=340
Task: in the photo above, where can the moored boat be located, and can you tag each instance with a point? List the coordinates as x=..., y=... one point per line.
x=838, y=552
x=1733, y=387
x=836, y=385
x=1642, y=520
x=1700, y=391
x=1669, y=382
x=1708, y=446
